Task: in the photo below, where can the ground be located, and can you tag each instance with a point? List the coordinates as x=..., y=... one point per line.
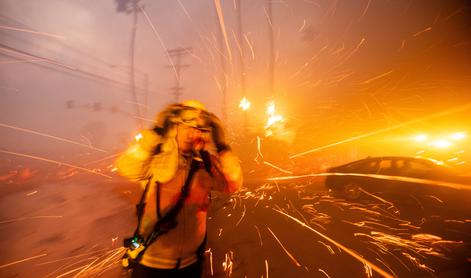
x=291, y=229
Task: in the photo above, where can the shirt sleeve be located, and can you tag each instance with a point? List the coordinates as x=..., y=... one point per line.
x=134, y=163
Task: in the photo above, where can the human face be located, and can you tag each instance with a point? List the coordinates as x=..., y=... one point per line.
x=191, y=130
x=189, y=138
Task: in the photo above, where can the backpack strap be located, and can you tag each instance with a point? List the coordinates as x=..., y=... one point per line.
x=142, y=201
x=168, y=221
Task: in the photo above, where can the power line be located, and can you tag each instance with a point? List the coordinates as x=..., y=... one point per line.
x=11, y=52
x=98, y=60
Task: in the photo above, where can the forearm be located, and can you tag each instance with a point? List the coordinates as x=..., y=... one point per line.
x=134, y=163
x=227, y=172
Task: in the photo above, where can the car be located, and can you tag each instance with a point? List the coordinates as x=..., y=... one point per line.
x=413, y=176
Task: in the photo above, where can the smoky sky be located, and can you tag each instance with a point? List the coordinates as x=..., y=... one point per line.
x=349, y=62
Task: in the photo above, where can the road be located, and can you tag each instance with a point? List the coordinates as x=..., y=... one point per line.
x=299, y=230
x=266, y=230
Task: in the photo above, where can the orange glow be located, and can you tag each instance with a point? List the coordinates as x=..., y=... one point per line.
x=421, y=137
x=273, y=118
x=458, y=136
x=245, y=104
x=441, y=143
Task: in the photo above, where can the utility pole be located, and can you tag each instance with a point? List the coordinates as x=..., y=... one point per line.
x=131, y=61
x=128, y=7
x=241, y=50
x=271, y=58
x=177, y=54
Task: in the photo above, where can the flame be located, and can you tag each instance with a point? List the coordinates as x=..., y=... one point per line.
x=441, y=143
x=421, y=137
x=458, y=136
x=245, y=104
x=138, y=137
x=273, y=118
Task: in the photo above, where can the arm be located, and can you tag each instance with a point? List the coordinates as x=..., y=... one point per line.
x=226, y=172
x=134, y=163
x=226, y=168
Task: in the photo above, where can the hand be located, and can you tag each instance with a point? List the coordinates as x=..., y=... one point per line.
x=217, y=133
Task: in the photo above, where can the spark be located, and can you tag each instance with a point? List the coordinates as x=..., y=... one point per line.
x=277, y=168
x=266, y=267
x=368, y=270
x=103, y=159
x=259, y=152
x=363, y=224
x=156, y=33
x=320, y=270
x=366, y=8
x=70, y=265
x=302, y=27
x=72, y=257
x=331, y=251
x=23, y=260
x=250, y=46
x=31, y=31
x=382, y=130
x=81, y=271
x=268, y=17
x=109, y=259
x=56, y=162
x=244, y=104
x=259, y=235
x=217, y=4
x=347, y=250
x=426, y=237
x=284, y=249
x=210, y=260
x=416, y=262
x=243, y=214
x=144, y=119
x=238, y=44
x=378, y=77
x=423, y=31
x=228, y=264
x=185, y=11
x=29, y=218
x=354, y=50
x=435, y=197
x=306, y=64
x=378, y=198
x=51, y=136
x=32, y=193
x=295, y=209
x=403, y=43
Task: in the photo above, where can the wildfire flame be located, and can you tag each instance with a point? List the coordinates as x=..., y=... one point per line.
x=138, y=137
x=244, y=104
x=273, y=118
